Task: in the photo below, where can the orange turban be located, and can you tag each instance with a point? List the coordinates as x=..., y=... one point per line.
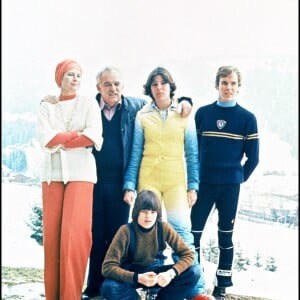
x=63, y=67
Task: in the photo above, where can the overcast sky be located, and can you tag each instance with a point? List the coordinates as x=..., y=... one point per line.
x=135, y=35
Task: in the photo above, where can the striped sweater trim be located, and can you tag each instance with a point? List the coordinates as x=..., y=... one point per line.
x=229, y=135
x=252, y=136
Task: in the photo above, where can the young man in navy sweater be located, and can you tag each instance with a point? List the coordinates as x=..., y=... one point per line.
x=228, y=153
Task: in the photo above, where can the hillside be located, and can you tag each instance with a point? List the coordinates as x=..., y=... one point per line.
x=276, y=240
x=27, y=283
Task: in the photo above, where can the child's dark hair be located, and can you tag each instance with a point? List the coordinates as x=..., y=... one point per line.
x=146, y=200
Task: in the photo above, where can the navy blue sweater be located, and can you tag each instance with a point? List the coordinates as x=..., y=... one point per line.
x=109, y=160
x=228, y=143
x=128, y=110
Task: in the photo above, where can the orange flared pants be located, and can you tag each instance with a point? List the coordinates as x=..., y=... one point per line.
x=67, y=239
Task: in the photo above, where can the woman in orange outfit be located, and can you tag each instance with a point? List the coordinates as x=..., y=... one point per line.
x=67, y=130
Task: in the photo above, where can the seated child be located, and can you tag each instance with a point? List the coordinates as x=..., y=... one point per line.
x=146, y=237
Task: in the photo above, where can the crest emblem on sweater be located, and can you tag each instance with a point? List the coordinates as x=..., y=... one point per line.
x=221, y=124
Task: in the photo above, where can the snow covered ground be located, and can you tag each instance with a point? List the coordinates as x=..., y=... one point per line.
x=269, y=240
x=19, y=250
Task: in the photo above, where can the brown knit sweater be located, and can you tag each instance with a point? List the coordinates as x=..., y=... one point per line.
x=146, y=250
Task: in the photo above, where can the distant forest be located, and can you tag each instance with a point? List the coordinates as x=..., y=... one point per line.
x=270, y=90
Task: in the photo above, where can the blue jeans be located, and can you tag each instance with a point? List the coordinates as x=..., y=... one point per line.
x=184, y=231
x=178, y=289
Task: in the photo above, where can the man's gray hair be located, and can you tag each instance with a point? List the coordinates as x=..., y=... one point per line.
x=108, y=69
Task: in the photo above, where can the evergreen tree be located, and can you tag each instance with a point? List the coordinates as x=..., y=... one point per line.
x=36, y=223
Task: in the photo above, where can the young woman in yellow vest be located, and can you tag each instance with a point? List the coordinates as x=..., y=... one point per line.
x=164, y=156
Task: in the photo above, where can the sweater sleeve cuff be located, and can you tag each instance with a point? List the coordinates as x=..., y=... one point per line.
x=188, y=99
x=176, y=273
x=193, y=186
x=135, y=277
x=62, y=138
x=80, y=141
x=128, y=185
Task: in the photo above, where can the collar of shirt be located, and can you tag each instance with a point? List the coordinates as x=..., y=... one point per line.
x=164, y=113
x=171, y=107
x=230, y=103
x=109, y=111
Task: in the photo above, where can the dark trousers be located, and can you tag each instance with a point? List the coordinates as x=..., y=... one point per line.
x=109, y=213
x=178, y=289
x=225, y=198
